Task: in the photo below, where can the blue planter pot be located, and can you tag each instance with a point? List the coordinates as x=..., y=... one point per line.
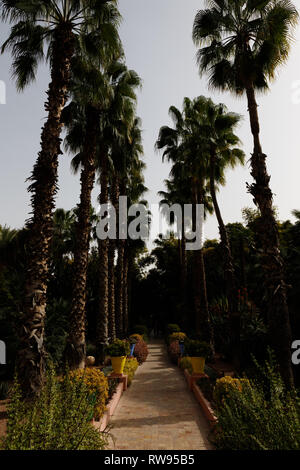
x=181, y=345
x=132, y=347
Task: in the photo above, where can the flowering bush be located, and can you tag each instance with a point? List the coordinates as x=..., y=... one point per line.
x=97, y=385
x=58, y=419
x=224, y=386
x=130, y=368
x=259, y=415
x=141, y=351
x=174, y=351
x=181, y=337
x=135, y=338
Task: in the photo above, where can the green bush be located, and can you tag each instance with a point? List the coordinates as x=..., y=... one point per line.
x=173, y=328
x=118, y=348
x=59, y=419
x=261, y=415
x=194, y=348
x=130, y=369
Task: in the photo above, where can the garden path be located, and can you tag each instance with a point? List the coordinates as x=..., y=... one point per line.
x=158, y=412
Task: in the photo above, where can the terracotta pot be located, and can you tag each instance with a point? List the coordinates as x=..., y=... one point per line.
x=198, y=364
x=118, y=364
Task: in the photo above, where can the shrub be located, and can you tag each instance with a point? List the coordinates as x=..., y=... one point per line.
x=130, y=368
x=135, y=338
x=181, y=337
x=172, y=328
x=59, y=419
x=97, y=385
x=174, y=351
x=224, y=386
x=259, y=417
x=118, y=348
x=141, y=351
x=112, y=388
x=185, y=363
x=194, y=348
x=141, y=330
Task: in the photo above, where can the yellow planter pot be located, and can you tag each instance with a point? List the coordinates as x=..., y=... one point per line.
x=198, y=364
x=118, y=364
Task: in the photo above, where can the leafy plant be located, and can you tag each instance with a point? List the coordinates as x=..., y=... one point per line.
x=59, y=419
x=174, y=351
x=118, y=348
x=195, y=348
x=225, y=385
x=181, y=337
x=130, y=369
x=260, y=415
x=141, y=351
x=97, y=385
x=185, y=363
x=172, y=328
x=141, y=330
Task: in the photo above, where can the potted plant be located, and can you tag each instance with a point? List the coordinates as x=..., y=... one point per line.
x=118, y=351
x=197, y=351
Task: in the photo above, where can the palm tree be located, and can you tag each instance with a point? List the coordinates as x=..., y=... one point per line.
x=116, y=125
x=241, y=45
x=51, y=30
x=91, y=96
x=182, y=147
x=216, y=127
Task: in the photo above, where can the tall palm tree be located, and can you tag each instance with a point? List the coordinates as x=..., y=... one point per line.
x=51, y=30
x=116, y=126
x=182, y=146
x=216, y=127
x=241, y=45
x=91, y=95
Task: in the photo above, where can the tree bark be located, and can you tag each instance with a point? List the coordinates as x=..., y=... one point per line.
x=125, y=293
x=76, y=347
x=31, y=355
x=271, y=259
x=231, y=284
x=111, y=290
x=203, y=323
x=102, y=323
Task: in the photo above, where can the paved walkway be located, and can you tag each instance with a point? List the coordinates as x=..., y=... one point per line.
x=158, y=412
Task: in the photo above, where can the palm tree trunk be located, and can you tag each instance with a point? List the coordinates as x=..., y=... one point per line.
x=120, y=290
x=183, y=264
x=125, y=293
x=271, y=259
x=76, y=347
x=102, y=323
x=228, y=261
x=111, y=290
x=31, y=356
x=203, y=323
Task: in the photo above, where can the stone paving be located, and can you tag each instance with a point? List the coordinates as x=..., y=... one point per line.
x=158, y=412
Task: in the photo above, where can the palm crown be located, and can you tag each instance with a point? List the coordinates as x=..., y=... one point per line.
x=243, y=41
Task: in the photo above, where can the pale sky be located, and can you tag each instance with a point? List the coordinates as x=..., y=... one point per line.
x=157, y=37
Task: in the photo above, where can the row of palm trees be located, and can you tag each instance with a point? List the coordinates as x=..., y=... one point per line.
x=92, y=95
x=240, y=45
x=201, y=146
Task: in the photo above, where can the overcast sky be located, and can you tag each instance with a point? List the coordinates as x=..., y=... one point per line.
x=158, y=45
